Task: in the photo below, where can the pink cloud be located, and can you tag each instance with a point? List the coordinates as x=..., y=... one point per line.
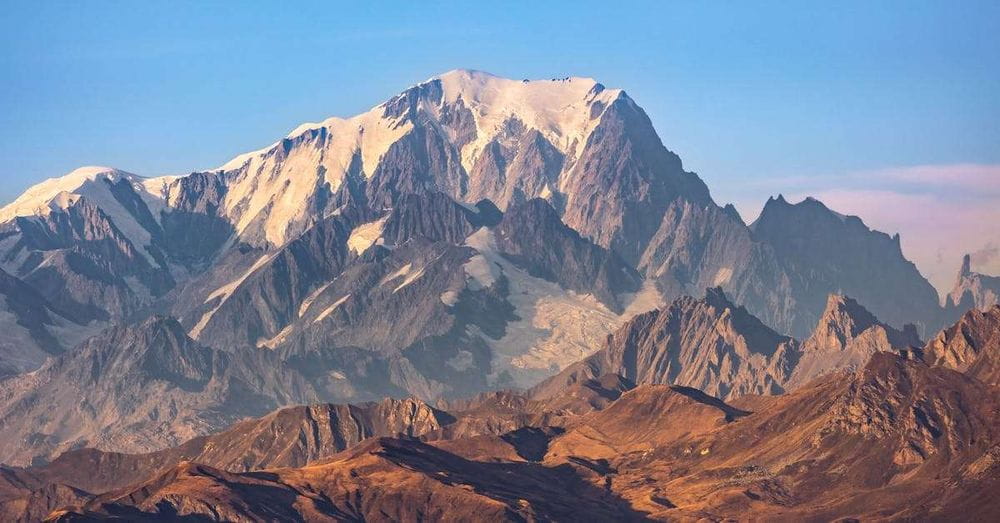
x=978, y=177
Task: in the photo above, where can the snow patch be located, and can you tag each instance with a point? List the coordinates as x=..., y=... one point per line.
x=646, y=299
x=91, y=183
x=402, y=271
x=450, y=298
x=410, y=278
x=482, y=272
x=223, y=293
x=722, y=276
x=560, y=109
x=326, y=312
x=312, y=297
x=556, y=327
x=407, y=273
x=462, y=361
x=365, y=235
x=278, y=339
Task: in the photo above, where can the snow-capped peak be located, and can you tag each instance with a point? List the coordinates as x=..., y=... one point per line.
x=564, y=110
x=559, y=108
x=92, y=183
x=38, y=197
x=269, y=189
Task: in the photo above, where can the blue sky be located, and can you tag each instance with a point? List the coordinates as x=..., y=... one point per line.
x=758, y=98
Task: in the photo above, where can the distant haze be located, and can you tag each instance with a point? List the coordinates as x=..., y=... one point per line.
x=941, y=212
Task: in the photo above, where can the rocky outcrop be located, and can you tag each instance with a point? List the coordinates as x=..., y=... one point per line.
x=783, y=267
x=103, y=244
x=33, y=329
x=709, y=344
x=697, y=246
x=38, y=504
x=822, y=252
x=896, y=439
x=258, y=304
x=433, y=216
x=533, y=237
x=971, y=345
x=194, y=203
x=972, y=290
x=624, y=180
x=80, y=261
x=139, y=388
x=846, y=337
x=289, y=437
x=518, y=164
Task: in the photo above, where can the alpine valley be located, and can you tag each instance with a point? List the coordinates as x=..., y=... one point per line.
x=482, y=299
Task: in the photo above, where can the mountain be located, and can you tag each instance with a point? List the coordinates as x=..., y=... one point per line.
x=100, y=242
x=136, y=388
x=708, y=344
x=824, y=252
x=971, y=345
x=472, y=233
x=846, y=337
x=720, y=348
x=898, y=437
x=289, y=437
x=34, y=329
x=119, y=244
x=895, y=439
x=972, y=290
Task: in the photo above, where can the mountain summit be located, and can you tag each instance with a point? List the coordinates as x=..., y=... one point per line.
x=470, y=233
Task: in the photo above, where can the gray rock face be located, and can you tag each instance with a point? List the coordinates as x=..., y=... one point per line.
x=32, y=327
x=420, y=162
x=138, y=388
x=518, y=163
x=194, y=204
x=971, y=346
x=846, y=337
x=972, y=290
x=823, y=252
x=709, y=344
x=79, y=260
x=532, y=236
x=258, y=304
x=104, y=254
x=700, y=246
x=434, y=216
x=783, y=267
x=624, y=180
